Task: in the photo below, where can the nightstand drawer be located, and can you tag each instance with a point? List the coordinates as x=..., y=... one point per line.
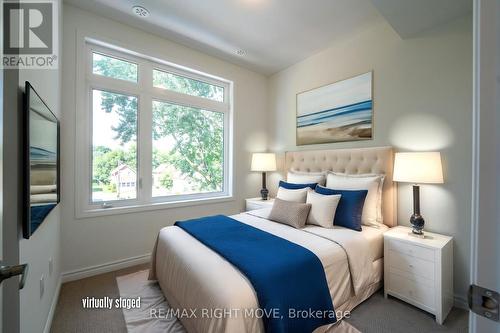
x=412, y=290
x=411, y=250
x=412, y=265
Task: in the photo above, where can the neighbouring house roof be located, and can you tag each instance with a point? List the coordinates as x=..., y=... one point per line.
x=120, y=168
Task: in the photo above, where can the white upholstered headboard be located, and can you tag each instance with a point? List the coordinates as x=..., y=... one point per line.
x=377, y=160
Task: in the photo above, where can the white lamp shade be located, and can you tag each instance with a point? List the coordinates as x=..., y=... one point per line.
x=263, y=162
x=418, y=168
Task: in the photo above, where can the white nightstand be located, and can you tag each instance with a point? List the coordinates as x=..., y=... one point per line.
x=257, y=203
x=419, y=271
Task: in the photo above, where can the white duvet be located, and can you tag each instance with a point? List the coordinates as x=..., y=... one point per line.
x=216, y=297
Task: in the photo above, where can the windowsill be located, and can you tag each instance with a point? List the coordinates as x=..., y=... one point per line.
x=152, y=206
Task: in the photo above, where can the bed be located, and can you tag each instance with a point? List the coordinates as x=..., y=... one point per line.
x=193, y=277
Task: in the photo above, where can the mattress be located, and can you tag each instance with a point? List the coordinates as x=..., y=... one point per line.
x=194, y=277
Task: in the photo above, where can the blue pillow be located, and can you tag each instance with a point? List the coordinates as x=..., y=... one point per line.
x=292, y=186
x=350, y=208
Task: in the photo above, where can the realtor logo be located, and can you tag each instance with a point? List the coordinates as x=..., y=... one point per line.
x=29, y=33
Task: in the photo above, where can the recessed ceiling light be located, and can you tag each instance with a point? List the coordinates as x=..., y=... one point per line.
x=241, y=52
x=140, y=11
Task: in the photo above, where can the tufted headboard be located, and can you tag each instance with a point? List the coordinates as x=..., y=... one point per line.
x=377, y=160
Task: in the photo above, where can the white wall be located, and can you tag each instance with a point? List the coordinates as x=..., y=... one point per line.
x=45, y=243
x=96, y=241
x=422, y=101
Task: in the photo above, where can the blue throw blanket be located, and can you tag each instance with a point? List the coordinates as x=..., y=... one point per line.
x=289, y=279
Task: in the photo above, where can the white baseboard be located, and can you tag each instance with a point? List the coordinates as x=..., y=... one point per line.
x=461, y=302
x=55, y=299
x=104, y=268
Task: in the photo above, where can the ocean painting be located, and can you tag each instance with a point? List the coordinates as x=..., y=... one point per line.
x=341, y=111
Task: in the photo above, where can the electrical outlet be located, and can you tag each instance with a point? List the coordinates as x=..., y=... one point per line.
x=42, y=285
x=51, y=266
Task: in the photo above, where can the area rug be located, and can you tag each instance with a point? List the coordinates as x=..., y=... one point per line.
x=140, y=320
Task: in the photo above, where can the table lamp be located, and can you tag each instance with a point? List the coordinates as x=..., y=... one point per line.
x=418, y=168
x=264, y=162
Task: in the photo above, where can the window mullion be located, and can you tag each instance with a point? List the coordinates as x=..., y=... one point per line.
x=86, y=152
x=145, y=136
x=113, y=85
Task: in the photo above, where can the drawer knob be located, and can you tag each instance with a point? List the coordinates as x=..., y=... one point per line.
x=411, y=266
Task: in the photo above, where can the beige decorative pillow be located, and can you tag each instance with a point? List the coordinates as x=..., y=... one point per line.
x=291, y=213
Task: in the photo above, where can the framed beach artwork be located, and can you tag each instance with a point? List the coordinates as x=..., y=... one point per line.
x=340, y=111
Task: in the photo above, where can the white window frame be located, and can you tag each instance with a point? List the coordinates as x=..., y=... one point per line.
x=146, y=94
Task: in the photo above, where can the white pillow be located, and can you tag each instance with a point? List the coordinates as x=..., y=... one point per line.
x=298, y=195
x=323, y=209
x=372, y=209
x=295, y=177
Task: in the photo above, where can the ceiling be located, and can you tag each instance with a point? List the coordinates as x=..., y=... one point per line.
x=410, y=17
x=273, y=34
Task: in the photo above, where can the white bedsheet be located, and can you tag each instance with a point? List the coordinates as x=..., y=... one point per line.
x=373, y=235
x=194, y=277
x=375, y=238
x=360, y=247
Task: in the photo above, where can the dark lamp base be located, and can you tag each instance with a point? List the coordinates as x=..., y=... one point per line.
x=417, y=224
x=264, y=193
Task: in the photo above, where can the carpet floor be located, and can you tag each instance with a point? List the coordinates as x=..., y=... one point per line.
x=380, y=315
x=376, y=315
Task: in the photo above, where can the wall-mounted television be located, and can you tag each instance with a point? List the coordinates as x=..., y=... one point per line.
x=41, y=161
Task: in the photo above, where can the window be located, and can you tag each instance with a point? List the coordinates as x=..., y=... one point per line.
x=113, y=67
x=186, y=85
x=153, y=133
x=195, y=134
x=114, y=145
